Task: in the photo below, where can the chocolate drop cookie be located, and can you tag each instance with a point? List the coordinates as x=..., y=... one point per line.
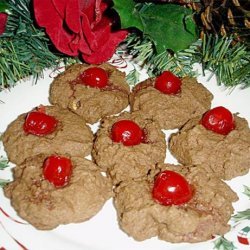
x=49, y=198
x=202, y=216
x=47, y=130
x=170, y=110
x=90, y=91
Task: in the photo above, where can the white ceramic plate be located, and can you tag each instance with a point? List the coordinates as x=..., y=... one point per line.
x=102, y=231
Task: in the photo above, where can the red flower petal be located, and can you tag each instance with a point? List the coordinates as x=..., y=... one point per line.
x=60, y=6
x=70, y=12
x=87, y=33
x=49, y=18
x=3, y=21
x=100, y=7
x=73, y=15
x=79, y=42
x=87, y=8
x=105, y=52
x=90, y=30
x=102, y=31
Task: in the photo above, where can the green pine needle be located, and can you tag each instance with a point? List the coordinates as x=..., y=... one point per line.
x=25, y=49
x=230, y=63
x=133, y=77
x=143, y=51
x=223, y=244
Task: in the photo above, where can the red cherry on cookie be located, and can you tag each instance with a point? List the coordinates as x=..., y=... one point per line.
x=57, y=170
x=39, y=123
x=127, y=132
x=171, y=188
x=94, y=77
x=220, y=120
x=168, y=83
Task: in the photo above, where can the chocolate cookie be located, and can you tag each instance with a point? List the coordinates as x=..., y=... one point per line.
x=205, y=215
x=170, y=111
x=91, y=103
x=225, y=156
x=45, y=206
x=129, y=162
x=70, y=136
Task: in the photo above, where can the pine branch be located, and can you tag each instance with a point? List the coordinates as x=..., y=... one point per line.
x=133, y=77
x=143, y=51
x=223, y=244
x=24, y=49
x=230, y=64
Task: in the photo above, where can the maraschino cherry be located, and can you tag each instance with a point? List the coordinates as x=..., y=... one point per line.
x=57, y=170
x=168, y=83
x=94, y=77
x=38, y=123
x=171, y=188
x=127, y=132
x=220, y=120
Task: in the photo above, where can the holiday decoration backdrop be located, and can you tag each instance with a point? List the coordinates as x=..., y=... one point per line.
x=159, y=35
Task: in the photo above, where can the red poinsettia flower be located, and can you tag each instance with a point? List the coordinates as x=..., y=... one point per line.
x=79, y=27
x=3, y=21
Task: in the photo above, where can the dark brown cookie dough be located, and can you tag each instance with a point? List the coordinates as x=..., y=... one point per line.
x=46, y=207
x=224, y=156
x=90, y=103
x=72, y=136
x=171, y=111
x=205, y=215
x=129, y=162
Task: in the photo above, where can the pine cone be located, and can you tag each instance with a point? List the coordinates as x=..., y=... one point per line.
x=224, y=17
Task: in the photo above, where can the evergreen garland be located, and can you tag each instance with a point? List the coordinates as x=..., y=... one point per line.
x=25, y=50
x=230, y=64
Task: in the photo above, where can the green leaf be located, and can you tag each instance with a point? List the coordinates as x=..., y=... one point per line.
x=128, y=13
x=3, y=182
x=3, y=163
x=243, y=215
x=133, y=77
x=4, y=7
x=223, y=244
x=169, y=26
x=247, y=191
